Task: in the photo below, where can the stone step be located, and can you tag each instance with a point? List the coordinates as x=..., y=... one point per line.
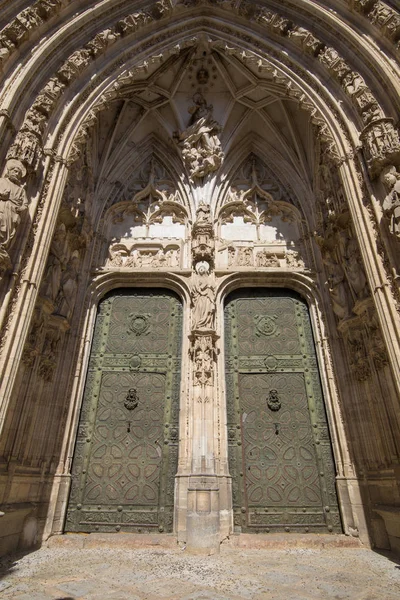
x=281, y=541
x=277, y=541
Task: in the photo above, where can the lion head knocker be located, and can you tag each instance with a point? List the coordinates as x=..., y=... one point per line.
x=131, y=401
x=273, y=401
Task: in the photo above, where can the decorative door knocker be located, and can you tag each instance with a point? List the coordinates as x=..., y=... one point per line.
x=273, y=401
x=131, y=401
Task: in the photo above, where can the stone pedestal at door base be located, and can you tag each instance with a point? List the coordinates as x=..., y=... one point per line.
x=203, y=526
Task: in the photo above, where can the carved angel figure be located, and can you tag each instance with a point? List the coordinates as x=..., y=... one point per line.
x=201, y=146
x=203, y=299
x=391, y=204
x=13, y=202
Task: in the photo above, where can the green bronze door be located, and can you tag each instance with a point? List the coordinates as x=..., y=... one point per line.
x=126, y=452
x=279, y=446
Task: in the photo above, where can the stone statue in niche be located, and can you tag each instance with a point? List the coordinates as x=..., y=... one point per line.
x=390, y=178
x=203, y=243
x=200, y=143
x=66, y=297
x=355, y=273
x=203, y=298
x=337, y=287
x=56, y=263
x=13, y=202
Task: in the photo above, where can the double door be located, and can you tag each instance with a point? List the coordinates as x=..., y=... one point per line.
x=279, y=449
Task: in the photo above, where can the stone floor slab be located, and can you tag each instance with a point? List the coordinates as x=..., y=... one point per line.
x=111, y=572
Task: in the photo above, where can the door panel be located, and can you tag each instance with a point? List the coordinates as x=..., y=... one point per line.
x=279, y=447
x=127, y=446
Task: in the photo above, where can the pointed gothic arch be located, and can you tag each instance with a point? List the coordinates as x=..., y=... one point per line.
x=305, y=91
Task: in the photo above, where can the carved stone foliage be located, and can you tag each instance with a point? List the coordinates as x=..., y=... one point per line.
x=390, y=177
x=203, y=243
x=144, y=256
x=200, y=142
x=13, y=203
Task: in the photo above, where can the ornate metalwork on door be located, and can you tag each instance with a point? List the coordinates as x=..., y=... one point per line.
x=126, y=452
x=279, y=446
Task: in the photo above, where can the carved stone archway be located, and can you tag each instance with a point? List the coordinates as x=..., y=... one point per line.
x=200, y=159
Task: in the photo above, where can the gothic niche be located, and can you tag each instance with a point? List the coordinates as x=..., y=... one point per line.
x=147, y=231
x=203, y=243
x=200, y=143
x=258, y=224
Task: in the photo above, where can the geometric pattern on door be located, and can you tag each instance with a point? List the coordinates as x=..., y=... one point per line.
x=280, y=454
x=126, y=452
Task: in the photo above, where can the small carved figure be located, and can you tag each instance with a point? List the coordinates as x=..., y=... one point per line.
x=294, y=260
x=55, y=264
x=13, y=202
x=66, y=297
x=245, y=257
x=159, y=259
x=354, y=271
x=172, y=258
x=337, y=288
x=390, y=177
x=264, y=259
x=231, y=256
x=135, y=259
x=201, y=146
x=203, y=298
x=115, y=259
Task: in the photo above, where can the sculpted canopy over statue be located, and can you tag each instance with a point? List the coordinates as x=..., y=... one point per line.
x=13, y=202
x=201, y=146
x=203, y=298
